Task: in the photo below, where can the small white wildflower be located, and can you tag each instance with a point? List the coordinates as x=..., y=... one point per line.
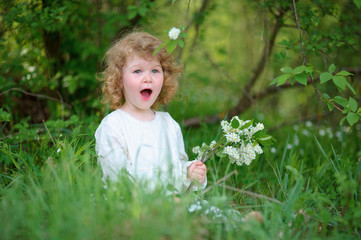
x=339, y=135
x=58, y=150
x=273, y=150
x=204, y=144
x=195, y=207
x=232, y=153
x=259, y=127
x=305, y=132
x=308, y=124
x=322, y=132
x=213, y=143
x=174, y=33
x=258, y=149
x=330, y=135
x=296, y=127
x=196, y=150
x=289, y=146
x=226, y=127
x=232, y=137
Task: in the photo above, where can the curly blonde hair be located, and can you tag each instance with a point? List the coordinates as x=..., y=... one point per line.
x=143, y=44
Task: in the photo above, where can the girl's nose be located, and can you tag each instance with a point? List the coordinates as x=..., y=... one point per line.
x=147, y=78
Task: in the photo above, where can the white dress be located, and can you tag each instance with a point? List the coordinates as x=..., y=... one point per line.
x=149, y=150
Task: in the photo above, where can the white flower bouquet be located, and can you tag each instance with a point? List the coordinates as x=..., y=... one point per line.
x=241, y=142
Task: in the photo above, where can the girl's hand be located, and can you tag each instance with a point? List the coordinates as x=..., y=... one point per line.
x=197, y=171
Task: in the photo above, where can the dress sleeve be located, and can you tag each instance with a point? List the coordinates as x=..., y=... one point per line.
x=111, y=150
x=185, y=164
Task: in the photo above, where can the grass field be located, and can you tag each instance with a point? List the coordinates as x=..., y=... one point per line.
x=306, y=186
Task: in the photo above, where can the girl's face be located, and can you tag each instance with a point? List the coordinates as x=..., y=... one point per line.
x=142, y=82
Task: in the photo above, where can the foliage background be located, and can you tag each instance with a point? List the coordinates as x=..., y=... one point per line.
x=51, y=52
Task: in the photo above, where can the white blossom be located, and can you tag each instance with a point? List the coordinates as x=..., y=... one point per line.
x=226, y=127
x=232, y=137
x=322, y=132
x=213, y=143
x=196, y=150
x=58, y=150
x=174, y=33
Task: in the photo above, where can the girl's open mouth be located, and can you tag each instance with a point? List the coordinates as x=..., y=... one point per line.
x=146, y=93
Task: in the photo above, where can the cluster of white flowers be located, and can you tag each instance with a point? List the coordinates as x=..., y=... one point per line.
x=233, y=137
x=240, y=145
x=174, y=33
x=244, y=154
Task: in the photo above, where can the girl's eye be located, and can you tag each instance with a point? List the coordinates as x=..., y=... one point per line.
x=137, y=71
x=155, y=71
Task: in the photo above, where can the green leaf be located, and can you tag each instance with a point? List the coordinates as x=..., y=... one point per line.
x=287, y=70
x=260, y=134
x=331, y=68
x=292, y=80
x=266, y=140
x=247, y=125
x=235, y=123
x=301, y=78
x=339, y=81
x=283, y=78
x=183, y=34
x=299, y=69
x=180, y=42
x=352, y=118
x=330, y=106
x=357, y=3
x=274, y=81
x=343, y=73
x=158, y=48
x=342, y=101
x=342, y=120
x=351, y=88
x=326, y=76
x=171, y=45
x=353, y=104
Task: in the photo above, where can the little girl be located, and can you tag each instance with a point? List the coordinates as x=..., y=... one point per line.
x=148, y=144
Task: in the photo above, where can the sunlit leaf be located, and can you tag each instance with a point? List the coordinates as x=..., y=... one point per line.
x=343, y=73
x=326, y=76
x=171, y=45
x=301, y=78
x=352, y=118
x=283, y=78
x=158, y=48
x=339, y=81
x=342, y=101
x=353, y=104
x=180, y=42
x=331, y=68
x=299, y=69
x=235, y=123
x=287, y=70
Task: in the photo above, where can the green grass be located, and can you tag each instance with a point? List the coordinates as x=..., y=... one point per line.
x=306, y=186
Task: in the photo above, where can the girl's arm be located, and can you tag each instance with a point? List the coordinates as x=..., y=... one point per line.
x=186, y=164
